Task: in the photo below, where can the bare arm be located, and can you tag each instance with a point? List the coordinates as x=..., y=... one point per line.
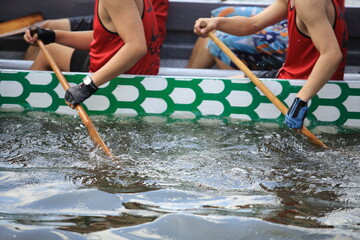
x=242, y=26
x=126, y=20
x=79, y=40
x=313, y=15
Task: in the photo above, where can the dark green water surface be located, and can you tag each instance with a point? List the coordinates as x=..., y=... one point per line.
x=177, y=180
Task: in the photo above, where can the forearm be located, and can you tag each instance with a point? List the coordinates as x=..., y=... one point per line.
x=242, y=26
x=238, y=25
x=121, y=62
x=323, y=70
x=125, y=58
x=79, y=40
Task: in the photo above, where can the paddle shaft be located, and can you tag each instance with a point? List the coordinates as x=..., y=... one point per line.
x=80, y=110
x=283, y=109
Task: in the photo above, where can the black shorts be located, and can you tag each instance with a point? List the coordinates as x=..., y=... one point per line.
x=81, y=23
x=80, y=61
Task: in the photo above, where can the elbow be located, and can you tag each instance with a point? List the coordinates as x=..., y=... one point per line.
x=337, y=56
x=332, y=57
x=143, y=51
x=140, y=50
x=135, y=49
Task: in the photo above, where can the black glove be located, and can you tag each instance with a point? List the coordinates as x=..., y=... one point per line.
x=296, y=114
x=46, y=35
x=77, y=94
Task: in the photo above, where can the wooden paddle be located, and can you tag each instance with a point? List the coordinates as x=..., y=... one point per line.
x=19, y=25
x=283, y=109
x=80, y=110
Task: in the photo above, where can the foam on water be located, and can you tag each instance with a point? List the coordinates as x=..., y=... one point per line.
x=54, y=182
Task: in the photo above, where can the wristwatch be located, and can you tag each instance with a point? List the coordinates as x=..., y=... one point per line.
x=89, y=83
x=87, y=80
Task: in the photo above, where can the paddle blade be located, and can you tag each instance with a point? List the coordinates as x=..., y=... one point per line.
x=92, y=131
x=259, y=84
x=19, y=25
x=80, y=110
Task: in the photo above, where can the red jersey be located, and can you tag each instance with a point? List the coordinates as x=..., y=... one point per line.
x=302, y=54
x=161, y=9
x=106, y=44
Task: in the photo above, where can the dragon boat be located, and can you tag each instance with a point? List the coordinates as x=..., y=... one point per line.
x=176, y=93
x=167, y=97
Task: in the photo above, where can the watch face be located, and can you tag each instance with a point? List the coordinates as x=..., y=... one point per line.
x=87, y=80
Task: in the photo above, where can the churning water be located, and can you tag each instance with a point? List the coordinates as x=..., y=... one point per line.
x=174, y=180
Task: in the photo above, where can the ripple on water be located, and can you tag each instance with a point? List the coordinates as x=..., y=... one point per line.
x=52, y=175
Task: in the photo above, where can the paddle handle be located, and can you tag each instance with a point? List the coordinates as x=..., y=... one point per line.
x=283, y=109
x=80, y=110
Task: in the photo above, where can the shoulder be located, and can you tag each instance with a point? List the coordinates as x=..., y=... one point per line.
x=282, y=4
x=118, y=4
x=310, y=10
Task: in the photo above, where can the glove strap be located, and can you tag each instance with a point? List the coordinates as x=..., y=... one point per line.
x=46, y=35
x=296, y=106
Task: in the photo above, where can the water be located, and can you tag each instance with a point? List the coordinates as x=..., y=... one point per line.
x=173, y=180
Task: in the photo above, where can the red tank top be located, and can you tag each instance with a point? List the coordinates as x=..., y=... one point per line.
x=106, y=44
x=302, y=54
x=161, y=9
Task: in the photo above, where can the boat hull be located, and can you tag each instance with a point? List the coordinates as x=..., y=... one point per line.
x=182, y=98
